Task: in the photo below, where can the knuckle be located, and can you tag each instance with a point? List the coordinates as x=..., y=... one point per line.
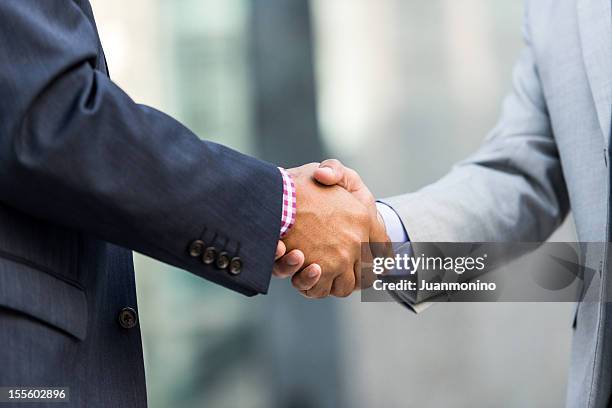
x=345, y=259
x=333, y=162
x=342, y=291
x=345, y=293
x=319, y=293
x=340, y=257
x=324, y=293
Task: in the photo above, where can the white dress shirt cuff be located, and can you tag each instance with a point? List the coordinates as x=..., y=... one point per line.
x=393, y=223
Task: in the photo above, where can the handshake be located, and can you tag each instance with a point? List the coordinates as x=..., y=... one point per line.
x=336, y=213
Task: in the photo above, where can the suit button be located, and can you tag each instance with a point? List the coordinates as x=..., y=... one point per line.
x=235, y=266
x=196, y=248
x=209, y=256
x=223, y=260
x=128, y=318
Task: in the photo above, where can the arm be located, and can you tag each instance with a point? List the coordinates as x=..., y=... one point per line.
x=511, y=189
x=77, y=151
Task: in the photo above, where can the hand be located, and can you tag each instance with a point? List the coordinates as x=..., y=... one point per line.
x=332, y=172
x=288, y=263
x=330, y=226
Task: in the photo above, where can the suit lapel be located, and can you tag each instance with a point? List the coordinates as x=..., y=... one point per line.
x=595, y=21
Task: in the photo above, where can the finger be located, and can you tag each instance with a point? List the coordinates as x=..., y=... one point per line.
x=322, y=288
x=343, y=285
x=351, y=180
x=330, y=172
x=289, y=264
x=280, y=250
x=306, y=278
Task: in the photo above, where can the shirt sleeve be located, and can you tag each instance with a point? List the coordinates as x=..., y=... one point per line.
x=289, y=203
x=401, y=246
x=395, y=228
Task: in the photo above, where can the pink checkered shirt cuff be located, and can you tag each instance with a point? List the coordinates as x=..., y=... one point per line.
x=289, y=203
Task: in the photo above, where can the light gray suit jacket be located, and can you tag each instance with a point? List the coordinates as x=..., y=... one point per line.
x=548, y=152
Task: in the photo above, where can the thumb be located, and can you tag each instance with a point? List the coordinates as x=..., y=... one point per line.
x=330, y=172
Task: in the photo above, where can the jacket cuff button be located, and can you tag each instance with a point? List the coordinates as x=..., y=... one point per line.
x=196, y=248
x=235, y=266
x=223, y=260
x=209, y=255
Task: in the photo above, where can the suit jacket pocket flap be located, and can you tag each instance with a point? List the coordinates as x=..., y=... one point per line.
x=43, y=296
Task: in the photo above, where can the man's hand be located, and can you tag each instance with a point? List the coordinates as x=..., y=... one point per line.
x=330, y=226
x=332, y=172
x=289, y=263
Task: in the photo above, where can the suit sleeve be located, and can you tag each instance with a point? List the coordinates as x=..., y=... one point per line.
x=77, y=151
x=511, y=189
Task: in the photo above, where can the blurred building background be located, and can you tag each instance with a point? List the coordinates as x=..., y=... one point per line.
x=398, y=89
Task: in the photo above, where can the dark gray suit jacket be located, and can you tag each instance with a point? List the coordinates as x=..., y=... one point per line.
x=86, y=175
